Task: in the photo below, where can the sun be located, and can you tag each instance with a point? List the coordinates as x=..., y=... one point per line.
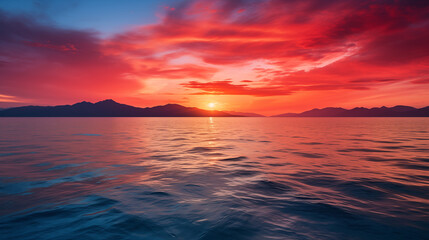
x=212, y=105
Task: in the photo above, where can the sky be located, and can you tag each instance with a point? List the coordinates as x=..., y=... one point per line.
x=263, y=56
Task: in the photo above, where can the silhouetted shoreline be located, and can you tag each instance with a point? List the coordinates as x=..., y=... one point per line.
x=397, y=111
x=110, y=108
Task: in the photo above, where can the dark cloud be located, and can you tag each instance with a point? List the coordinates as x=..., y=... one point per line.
x=43, y=62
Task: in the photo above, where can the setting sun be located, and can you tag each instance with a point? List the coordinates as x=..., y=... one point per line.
x=212, y=105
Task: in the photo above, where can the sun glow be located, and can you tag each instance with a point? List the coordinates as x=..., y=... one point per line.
x=212, y=105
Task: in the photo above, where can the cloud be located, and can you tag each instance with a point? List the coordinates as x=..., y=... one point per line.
x=310, y=45
x=66, y=47
x=8, y=99
x=421, y=81
x=40, y=61
x=228, y=88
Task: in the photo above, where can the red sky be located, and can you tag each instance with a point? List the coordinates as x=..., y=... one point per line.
x=268, y=57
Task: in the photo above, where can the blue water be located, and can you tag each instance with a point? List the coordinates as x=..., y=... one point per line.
x=214, y=178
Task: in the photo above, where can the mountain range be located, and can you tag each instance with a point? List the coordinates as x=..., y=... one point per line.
x=397, y=111
x=110, y=108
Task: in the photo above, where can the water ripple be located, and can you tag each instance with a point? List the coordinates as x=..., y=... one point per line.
x=219, y=178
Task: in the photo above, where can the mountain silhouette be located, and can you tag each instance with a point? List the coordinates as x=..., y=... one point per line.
x=397, y=111
x=110, y=108
x=244, y=114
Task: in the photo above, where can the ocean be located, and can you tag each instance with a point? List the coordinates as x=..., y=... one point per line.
x=214, y=178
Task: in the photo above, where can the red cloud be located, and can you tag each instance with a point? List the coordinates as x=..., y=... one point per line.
x=227, y=88
x=315, y=45
x=421, y=81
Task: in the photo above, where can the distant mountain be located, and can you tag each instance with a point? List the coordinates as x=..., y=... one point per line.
x=243, y=114
x=397, y=111
x=110, y=108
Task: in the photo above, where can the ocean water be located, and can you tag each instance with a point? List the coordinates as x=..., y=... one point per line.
x=214, y=178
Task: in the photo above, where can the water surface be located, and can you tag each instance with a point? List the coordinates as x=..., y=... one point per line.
x=214, y=178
